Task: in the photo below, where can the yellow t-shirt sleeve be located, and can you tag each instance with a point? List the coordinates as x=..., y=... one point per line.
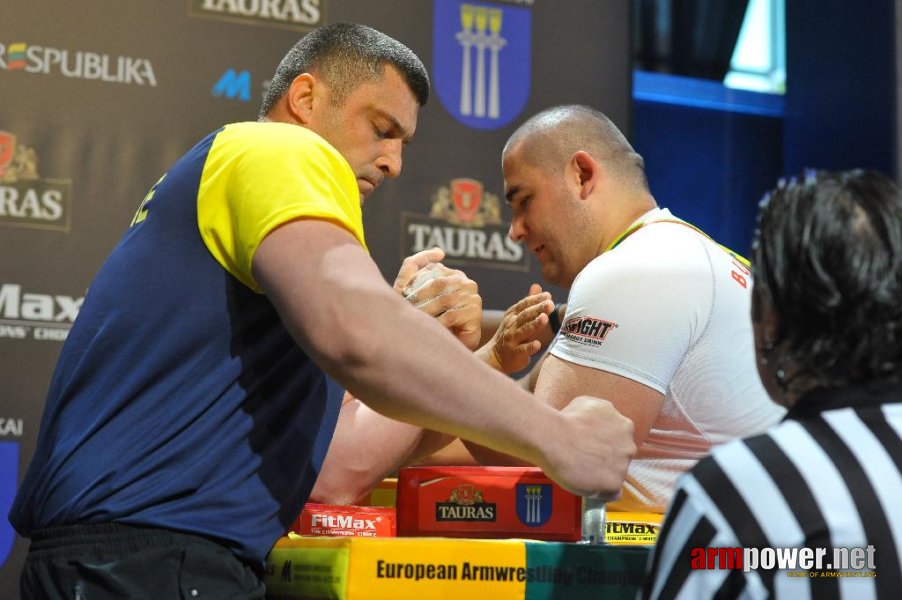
x=258, y=176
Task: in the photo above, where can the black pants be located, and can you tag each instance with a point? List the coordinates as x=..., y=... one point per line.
x=93, y=562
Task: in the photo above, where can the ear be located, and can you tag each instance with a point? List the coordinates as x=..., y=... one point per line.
x=588, y=172
x=300, y=97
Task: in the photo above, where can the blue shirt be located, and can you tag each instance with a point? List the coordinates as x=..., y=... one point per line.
x=180, y=400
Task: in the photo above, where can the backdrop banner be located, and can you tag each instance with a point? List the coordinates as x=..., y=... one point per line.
x=99, y=98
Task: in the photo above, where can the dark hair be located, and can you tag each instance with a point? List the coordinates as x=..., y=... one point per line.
x=344, y=55
x=828, y=255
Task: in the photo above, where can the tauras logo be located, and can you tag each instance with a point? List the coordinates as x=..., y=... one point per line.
x=78, y=64
x=465, y=222
x=465, y=504
x=342, y=521
x=296, y=14
x=455, y=512
x=26, y=200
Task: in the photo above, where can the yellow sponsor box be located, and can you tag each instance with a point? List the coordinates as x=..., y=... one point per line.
x=632, y=528
x=426, y=568
x=392, y=568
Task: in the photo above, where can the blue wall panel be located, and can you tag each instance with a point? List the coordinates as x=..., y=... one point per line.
x=709, y=154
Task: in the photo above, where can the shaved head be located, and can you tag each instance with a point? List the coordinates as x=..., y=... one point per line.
x=549, y=139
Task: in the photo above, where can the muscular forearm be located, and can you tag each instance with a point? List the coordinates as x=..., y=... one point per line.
x=402, y=363
x=366, y=448
x=438, y=380
x=428, y=379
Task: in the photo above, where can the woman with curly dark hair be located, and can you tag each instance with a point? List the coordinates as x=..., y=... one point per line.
x=812, y=507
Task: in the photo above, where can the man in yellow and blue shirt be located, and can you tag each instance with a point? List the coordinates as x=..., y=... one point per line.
x=196, y=395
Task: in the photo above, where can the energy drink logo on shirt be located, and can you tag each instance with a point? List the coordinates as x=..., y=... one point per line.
x=587, y=330
x=26, y=199
x=293, y=14
x=465, y=222
x=482, y=61
x=465, y=504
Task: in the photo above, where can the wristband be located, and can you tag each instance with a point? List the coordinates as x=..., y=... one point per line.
x=554, y=319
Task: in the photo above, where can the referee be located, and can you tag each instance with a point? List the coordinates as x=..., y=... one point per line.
x=827, y=313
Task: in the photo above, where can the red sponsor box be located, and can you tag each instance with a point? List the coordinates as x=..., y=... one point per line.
x=347, y=521
x=486, y=502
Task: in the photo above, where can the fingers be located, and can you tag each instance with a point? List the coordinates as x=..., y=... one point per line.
x=438, y=303
x=462, y=309
x=445, y=281
x=534, y=316
x=464, y=320
x=516, y=338
x=414, y=263
x=444, y=293
x=527, y=349
x=524, y=324
x=531, y=301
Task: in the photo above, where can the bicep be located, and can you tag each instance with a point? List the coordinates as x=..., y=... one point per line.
x=559, y=381
x=319, y=277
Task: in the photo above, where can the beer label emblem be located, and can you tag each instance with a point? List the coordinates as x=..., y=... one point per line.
x=533, y=503
x=482, y=61
x=465, y=503
x=467, y=196
x=27, y=199
x=465, y=221
x=466, y=495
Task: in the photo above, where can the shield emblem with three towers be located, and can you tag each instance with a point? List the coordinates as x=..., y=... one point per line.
x=482, y=60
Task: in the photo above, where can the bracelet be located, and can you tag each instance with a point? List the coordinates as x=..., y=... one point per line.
x=554, y=319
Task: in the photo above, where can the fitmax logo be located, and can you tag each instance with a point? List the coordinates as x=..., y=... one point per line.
x=235, y=85
x=15, y=305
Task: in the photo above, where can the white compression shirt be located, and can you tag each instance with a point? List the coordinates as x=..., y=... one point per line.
x=669, y=308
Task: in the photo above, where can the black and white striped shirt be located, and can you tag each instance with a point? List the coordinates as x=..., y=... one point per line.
x=829, y=476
